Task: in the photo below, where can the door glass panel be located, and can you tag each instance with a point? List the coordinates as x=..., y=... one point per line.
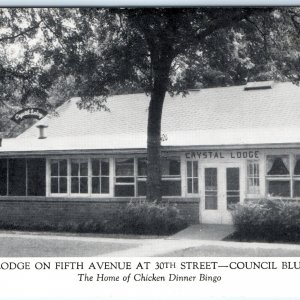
x=211, y=188
x=232, y=186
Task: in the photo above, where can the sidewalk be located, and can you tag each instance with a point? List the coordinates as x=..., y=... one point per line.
x=198, y=248
x=211, y=232
x=191, y=242
x=207, y=240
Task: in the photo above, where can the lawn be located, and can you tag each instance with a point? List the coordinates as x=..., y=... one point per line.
x=236, y=237
x=220, y=251
x=35, y=247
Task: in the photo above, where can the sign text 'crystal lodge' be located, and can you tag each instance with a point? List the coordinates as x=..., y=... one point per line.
x=220, y=154
x=28, y=113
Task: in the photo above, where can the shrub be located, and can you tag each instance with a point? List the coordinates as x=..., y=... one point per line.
x=136, y=218
x=67, y=226
x=269, y=220
x=147, y=218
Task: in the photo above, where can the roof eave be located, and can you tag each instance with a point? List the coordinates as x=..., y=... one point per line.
x=144, y=150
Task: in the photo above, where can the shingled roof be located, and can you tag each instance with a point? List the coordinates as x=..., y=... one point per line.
x=209, y=117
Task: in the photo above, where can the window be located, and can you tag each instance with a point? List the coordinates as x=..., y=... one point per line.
x=36, y=177
x=23, y=177
x=192, y=177
x=17, y=177
x=142, y=177
x=124, y=177
x=171, y=176
x=296, y=178
x=253, y=177
x=100, y=176
x=79, y=176
x=83, y=176
x=278, y=176
x=58, y=176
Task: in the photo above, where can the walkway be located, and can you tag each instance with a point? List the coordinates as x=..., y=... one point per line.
x=211, y=232
x=195, y=241
x=207, y=240
x=202, y=248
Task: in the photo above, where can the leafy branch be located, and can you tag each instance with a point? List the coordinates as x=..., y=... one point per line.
x=22, y=33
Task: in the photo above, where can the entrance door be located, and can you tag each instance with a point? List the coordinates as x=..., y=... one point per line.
x=221, y=188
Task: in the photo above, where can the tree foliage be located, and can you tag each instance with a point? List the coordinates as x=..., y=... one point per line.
x=93, y=53
x=109, y=50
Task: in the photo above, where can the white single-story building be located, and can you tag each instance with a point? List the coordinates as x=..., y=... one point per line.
x=220, y=146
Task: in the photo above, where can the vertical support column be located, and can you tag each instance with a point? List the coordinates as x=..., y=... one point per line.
x=183, y=175
x=291, y=164
x=90, y=176
x=262, y=174
x=7, y=177
x=222, y=189
x=68, y=176
x=48, y=177
x=26, y=177
x=135, y=175
x=243, y=180
x=111, y=176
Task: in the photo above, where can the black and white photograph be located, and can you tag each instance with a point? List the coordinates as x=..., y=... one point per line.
x=150, y=131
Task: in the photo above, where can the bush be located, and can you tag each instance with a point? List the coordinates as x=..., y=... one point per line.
x=268, y=220
x=67, y=226
x=136, y=218
x=148, y=218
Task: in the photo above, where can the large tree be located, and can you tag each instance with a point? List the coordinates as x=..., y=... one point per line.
x=154, y=50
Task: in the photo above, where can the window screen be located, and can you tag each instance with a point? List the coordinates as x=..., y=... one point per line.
x=3, y=177
x=36, y=177
x=17, y=177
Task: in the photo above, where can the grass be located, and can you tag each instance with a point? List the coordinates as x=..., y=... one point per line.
x=35, y=247
x=219, y=251
x=236, y=237
x=84, y=234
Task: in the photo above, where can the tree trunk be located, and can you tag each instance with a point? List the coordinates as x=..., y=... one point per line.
x=161, y=77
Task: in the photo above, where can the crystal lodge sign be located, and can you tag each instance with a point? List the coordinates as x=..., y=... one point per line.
x=222, y=154
x=27, y=113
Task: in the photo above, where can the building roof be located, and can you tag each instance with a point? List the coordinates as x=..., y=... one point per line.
x=227, y=116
